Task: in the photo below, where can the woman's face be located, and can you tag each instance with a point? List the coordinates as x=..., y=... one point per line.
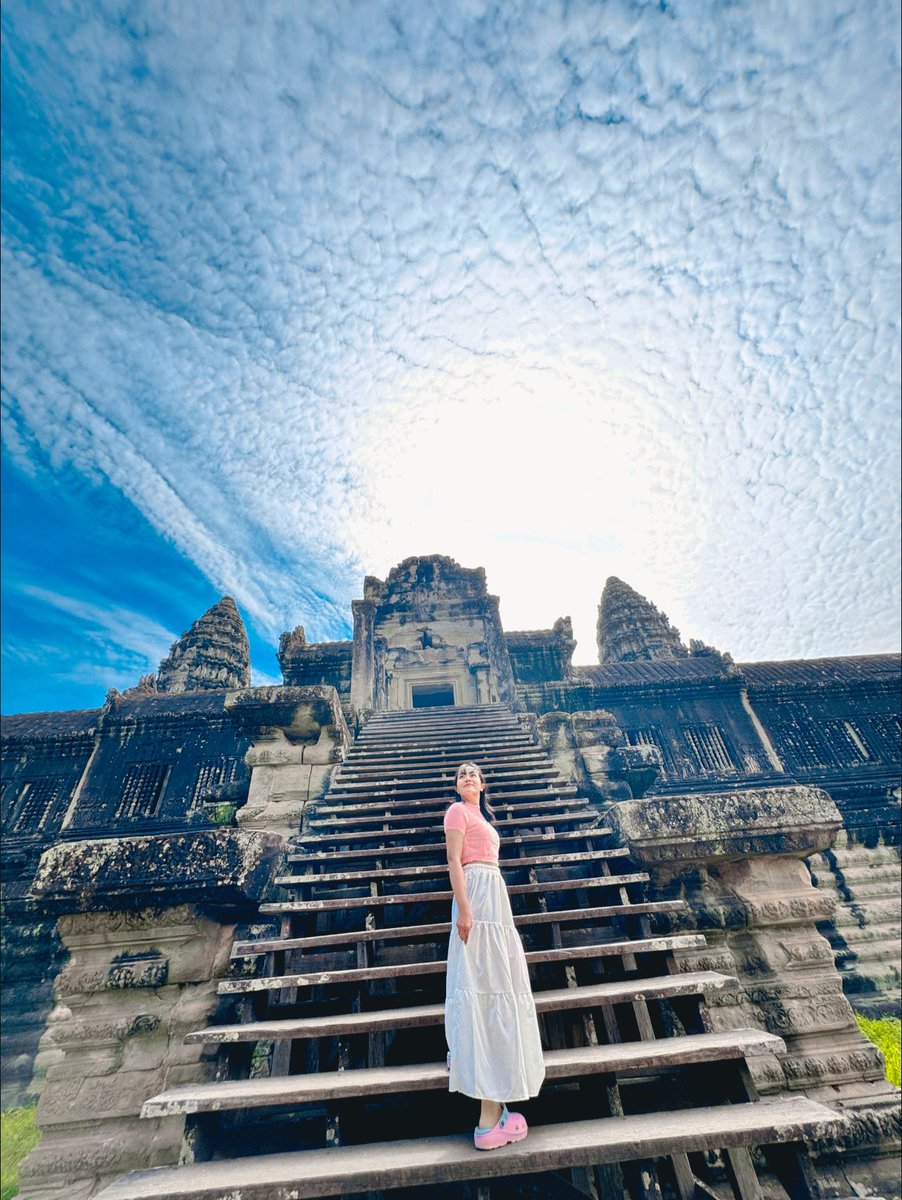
x=469, y=782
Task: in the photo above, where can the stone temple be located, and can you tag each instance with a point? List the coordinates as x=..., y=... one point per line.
x=226, y=911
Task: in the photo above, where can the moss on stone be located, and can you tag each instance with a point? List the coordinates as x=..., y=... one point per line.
x=886, y=1034
x=18, y=1135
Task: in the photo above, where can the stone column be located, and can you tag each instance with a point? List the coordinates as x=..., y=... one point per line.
x=292, y=761
x=148, y=923
x=502, y=673
x=285, y=780
x=363, y=662
x=736, y=857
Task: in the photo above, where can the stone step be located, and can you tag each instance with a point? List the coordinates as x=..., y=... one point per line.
x=665, y=987
x=872, y=955
x=341, y=832
x=449, y=711
x=441, y=754
x=541, y=888
x=451, y=751
x=853, y=876
x=436, y=813
x=390, y=772
x=428, y=784
x=441, y=715
x=506, y=800
x=890, y=932
x=562, y=916
x=629, y=946
x=871, y=890
x=442, y=719
x=388, y=853
x=463, y=734
x=494, y=766
x=621, y=1059
x=302, y=1175
x=599, y=833
x=432, y=827
x=426, y=870
x=445, y=730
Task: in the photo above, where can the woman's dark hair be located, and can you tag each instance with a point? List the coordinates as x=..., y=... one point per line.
x=485, y=806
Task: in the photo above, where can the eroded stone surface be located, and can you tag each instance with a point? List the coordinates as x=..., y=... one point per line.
x=709, y=827
x=221, y=867
x=430, y=625
x=737, y=861
x=630, y=628
x=135, y=984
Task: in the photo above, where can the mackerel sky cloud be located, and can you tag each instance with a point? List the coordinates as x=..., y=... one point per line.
x=293, y=291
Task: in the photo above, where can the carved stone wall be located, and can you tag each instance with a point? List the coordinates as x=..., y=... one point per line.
x=737, y=860
x=148, y=924
x=291, y=766
x=590, y=748
x=135, y=984
x=148, y=762
x=431, y=623
x=307, y=664
x=32, y=955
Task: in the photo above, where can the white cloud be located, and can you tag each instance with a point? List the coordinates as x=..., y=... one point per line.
x=561, y=292
x=121, y=632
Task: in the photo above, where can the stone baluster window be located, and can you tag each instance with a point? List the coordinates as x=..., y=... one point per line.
x=709, y=749
x=213, y=774
x=836, y=742
x=142, y=790
x=38, y=801
x=649, y=735
x=882, y=734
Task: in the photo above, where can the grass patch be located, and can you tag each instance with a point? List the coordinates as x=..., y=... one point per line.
x=18, y=1135
x=224, y=814
x=886, y=1034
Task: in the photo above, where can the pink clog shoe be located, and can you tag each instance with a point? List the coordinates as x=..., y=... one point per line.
x=511, y=1127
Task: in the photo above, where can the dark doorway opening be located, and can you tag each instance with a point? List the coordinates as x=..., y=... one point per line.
x=432, y=695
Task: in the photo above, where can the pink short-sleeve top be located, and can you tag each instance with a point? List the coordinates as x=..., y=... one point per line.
x=481, y=840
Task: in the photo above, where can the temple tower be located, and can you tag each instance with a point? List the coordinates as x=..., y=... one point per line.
x=214, y=653
x=631, y=629
x=430, y=634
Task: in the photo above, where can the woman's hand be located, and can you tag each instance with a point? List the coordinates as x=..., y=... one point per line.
x=464, y=924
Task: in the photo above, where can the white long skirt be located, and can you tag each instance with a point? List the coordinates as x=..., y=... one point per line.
x=490, y=1015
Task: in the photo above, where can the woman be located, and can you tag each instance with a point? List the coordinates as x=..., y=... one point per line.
x=490, y=1015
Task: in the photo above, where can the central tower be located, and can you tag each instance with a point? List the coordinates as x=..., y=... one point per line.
x=430, y=634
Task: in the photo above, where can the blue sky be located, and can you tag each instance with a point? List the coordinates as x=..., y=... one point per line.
x=293, y=291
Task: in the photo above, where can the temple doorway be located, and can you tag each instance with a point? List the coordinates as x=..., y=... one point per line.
x=431, y=695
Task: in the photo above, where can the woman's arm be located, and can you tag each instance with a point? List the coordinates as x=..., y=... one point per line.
x=454, y=841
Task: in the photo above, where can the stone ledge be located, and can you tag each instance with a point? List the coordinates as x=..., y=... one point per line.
x=709, y=827
x=223, y=869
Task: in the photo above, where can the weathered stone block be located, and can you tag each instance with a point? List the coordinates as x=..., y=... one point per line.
x=706, y=827
x=736, y=859
x=291, y=764
x=137, y=979
x=222, y=867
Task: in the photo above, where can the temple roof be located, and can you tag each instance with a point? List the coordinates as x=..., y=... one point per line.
x=50, y=724
x=672, y=670
x=864, y=668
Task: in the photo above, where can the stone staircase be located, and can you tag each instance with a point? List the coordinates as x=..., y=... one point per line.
x=866, y=929
x=331, y=1075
